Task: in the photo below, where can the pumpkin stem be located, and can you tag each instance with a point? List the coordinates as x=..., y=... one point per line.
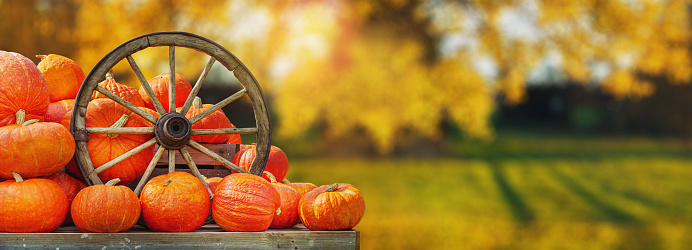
x=278, y=211
x=109, y=75
x=168, y=182
x=17, y=177
x=332, y=187
x=19, y=116
x=113, y=182
x=285, y=181
x=119, y=124
x=41, y=56
x=197, y=103
x=29, y=122
x=272, y=178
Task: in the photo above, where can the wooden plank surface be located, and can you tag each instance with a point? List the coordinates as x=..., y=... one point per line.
x=225, y=150
x=209, y=236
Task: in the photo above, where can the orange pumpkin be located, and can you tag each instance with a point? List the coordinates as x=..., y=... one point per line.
x=215, y=120
x=128, y=93
x=105, y=208
x=34, y=149
x=277, y=163
x=289, y=205
x=57, y=110
x=22, y=87
x=103, y=112
x=63, y=76
x=245, y=203
x=31, y=206
x=213, y=183
x=339, y=206
x=159, y=84
x=302, y=187
x=175, y=202
x=70, y=185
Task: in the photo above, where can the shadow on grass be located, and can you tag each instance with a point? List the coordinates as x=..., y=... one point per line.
x=521, y=212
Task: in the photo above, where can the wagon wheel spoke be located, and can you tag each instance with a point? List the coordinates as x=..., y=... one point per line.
x=150, y=168
x=171, y=79
x=126, y=104
x=193, y=167
x=123, y=130
x=124, y=156
x=171, y=160
x=218, y=106
x=215, y=156
x=198, y=85
x=146, y=86
x=224, y=131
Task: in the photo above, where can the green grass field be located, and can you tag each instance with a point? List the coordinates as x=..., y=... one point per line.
x=522, y=192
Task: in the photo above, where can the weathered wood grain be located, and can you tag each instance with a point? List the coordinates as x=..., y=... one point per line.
x=208, y=237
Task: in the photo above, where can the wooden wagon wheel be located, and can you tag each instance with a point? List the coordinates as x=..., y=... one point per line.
x=172, y=130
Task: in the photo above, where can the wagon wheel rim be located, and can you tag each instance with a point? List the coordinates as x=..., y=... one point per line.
x=172, y=131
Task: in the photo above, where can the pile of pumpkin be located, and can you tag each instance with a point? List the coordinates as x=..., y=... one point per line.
x=45, y=189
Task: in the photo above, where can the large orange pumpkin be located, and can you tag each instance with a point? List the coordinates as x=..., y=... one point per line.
x=105, y=208
x=289, y=205
x=103, y=112
x=339, y=206
x=215, y=120
x=31, y=206
x=159, y=84
x=22, y=86
x=57, y=110
x=70, y=185
x=175, y=202
x=128, y=93
x=63, y=76
x=245, y=203
x=277, y=163
x=34, y=149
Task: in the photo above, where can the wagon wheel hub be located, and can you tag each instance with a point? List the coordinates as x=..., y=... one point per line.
x=173, y=130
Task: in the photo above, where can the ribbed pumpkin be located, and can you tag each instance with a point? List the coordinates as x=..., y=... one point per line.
x=159, y=84
x=105, y=208
x=57, y=110
x=70, y=185
x=175, y=202
x=22, y=86
x=215, y=120
x=302, y=187
x=33, y=148
x=35, y=205
x=63, y=76
x=128, y=93
x=277, y=163
x=289, y=204
x=245, y=203
x=339, y=206
x=102, y=148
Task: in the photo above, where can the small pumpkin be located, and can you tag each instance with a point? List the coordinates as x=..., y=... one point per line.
x=22, y=86
x=63, y=76
x=245, y=203
x=159, y=84
x=175, y=202
x=277, y=162
x=105, y=208
x=302, y=187
x=339, y=206
x=213, y=183
x=70, y=185
x=57, y=110
x=289, y=205
x=103, y=112
x=128, y=93
x=33, y=148
x=35, y=205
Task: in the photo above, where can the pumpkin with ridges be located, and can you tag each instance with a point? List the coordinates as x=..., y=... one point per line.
x=245, y=203
x=63, y=76
x=22, y=86
x=35, y=205
x=175, y=202
x=70, y=185
x=339, y=206
x=277, y=162
x=105, y=208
